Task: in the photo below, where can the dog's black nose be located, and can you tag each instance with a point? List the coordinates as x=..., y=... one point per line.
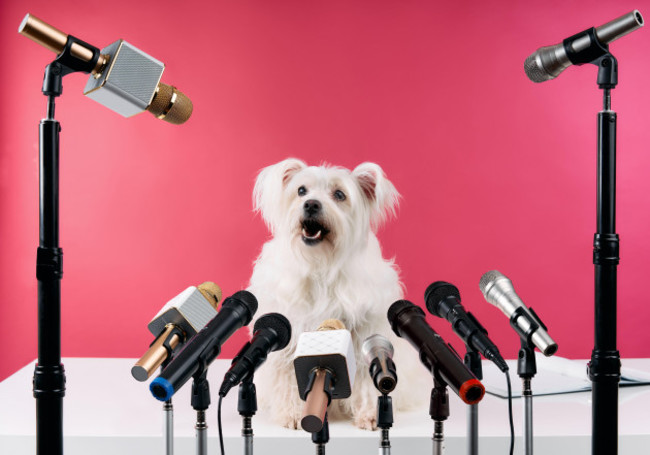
x=312, y=207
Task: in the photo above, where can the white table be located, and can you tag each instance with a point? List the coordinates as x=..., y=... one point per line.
x=107, y=412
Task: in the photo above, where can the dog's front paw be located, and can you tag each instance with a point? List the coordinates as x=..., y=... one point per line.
x=289, y=421
x=366, y=420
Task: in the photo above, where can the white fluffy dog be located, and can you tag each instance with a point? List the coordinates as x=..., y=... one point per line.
x=324, y=261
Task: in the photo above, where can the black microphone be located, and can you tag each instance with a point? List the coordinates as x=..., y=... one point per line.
x=407, y=321
x=271, y=332
x=199, y=352
x=443, y=300
x=548, y=62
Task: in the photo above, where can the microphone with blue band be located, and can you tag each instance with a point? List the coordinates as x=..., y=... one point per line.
x=199, y=352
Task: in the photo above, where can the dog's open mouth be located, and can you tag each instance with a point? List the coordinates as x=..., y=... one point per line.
x=313, y=232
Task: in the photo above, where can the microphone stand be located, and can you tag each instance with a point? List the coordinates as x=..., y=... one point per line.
x=439, y=411
x=247, y=407
x=49, y=375
x=168, y=413
x=473, y=362
x=526, y=369
x=321, y=437
x=384, y=421
x=200, y=403
x=605, y=365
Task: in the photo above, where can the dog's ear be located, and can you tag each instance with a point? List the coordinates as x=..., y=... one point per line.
x=380, y=193
x=270, y=183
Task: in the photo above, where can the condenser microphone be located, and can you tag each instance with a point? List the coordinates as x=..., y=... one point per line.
x=407, y=321
x=498, y=290
x=199, y=352
x=271, y=332
x=443, y=300
x=325, y=366
x=179, y=320
x=378, y=352
x=123, y=78
x=548, y=62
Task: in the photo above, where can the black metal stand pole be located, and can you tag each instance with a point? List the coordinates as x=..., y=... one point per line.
x=439, y=411
x=200, y=403
x=605, y=364
x=526, y=369
x=473, y=362
x=49, y=375
x=384, y=421
x=321, y=437
x=247, y=407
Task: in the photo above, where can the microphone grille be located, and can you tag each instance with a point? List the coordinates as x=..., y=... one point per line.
x=211, y=292
x=330, y=324
x=171, y=105
x=489, y=277
x=277, y=323
x=436, y=292
x=534, y=70
x=246, y=299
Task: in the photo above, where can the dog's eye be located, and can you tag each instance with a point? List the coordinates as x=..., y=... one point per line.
x=302, y=191
x=339, y=195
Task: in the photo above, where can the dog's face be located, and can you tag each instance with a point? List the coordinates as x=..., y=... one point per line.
x=323, y=211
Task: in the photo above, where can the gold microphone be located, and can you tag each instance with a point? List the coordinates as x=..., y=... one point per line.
x=178, y=321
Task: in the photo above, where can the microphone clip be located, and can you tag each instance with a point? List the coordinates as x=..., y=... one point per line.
x=595, y=53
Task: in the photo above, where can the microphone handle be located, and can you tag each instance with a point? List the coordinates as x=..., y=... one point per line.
x=204, y=347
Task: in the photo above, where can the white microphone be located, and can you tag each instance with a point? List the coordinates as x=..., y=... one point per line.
x=548, y=62
x=325, y=367
x=498, y=290
x=124, y=79
x=179, y=320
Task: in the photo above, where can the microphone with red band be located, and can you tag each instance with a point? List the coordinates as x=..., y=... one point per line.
x=123, y=78
x=408, y=321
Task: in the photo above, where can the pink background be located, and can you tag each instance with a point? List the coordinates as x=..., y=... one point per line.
x=496, y=172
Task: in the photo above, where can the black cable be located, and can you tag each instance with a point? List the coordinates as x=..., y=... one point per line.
x=512, y=425
x=219, y=425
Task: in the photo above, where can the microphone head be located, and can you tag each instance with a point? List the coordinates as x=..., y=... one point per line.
x=396, y=309
x=279, y=324
x=374, y=344
x=211, y=292
x=436, y=293
x=245, y=300
x=488, y=280
x=170, y=104
x=534, y=69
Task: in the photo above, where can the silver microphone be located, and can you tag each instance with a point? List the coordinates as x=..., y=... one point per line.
x=498, y=290
x=378, y=352
x=124, y=79
x=548, y=62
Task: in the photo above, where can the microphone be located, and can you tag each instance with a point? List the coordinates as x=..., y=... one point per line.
x=199, y=352
x=123, y=78
x=271, y=332
x=322, y=364
x=378, y=352
x=407, y=321
x=548, y=62
x=498, y=290
x=443, y=300
x=178, y=321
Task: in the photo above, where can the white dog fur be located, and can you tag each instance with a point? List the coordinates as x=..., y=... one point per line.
x=331, y=269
